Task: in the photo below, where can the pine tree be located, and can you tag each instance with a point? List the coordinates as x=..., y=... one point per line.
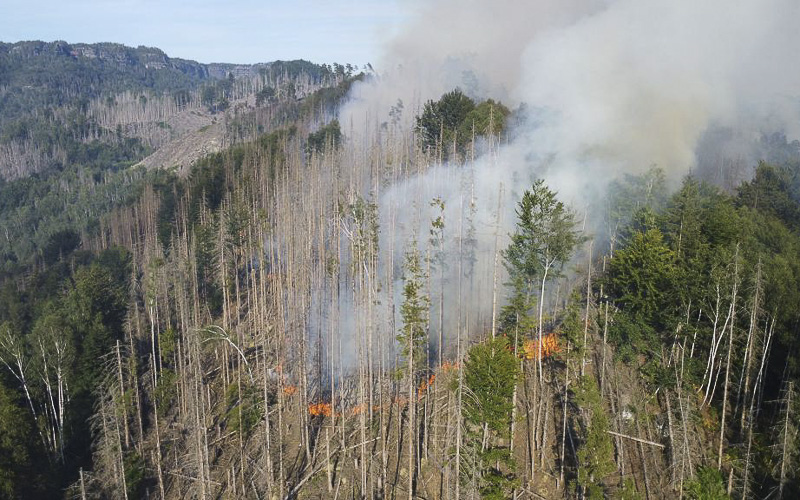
x=543, y=242
x=412, y=338
x=490, y=375
x=596, y=455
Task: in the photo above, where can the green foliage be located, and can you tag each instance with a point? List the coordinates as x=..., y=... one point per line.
x=265, y=96
x=517, y=318
x=572, y=325
x=165, y=391
x=208, y=183
x=215, y=96
x=134, y=474
x=414, y=309
x=438, y=124
x=205, y=254
x=674, y=275
x=545, y=237
x=43, y=214
x=327, y=99
x=19, y=447
x=167, y=341
x=243, y=413
x=169, y=191
x=455, y=119
x=73, y=313
x=51, y=289
x=496, y=484
x=544, y=240
x=707, y=485
x=490, y=375
x=488, y=118
x=596, y=454
x=40, y=74
x=641, y=275
x=631, y=336
x=629, y=491
x=700, y=225
x=362, y=215
x=293, y=69
x=94, y=308
x=60, y=245
x=774, y=191
x=325, y=139
x=631, y=193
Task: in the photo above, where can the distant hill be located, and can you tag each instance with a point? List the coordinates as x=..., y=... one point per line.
x=55, y=96
x=35, y=73
x=40, y=74
x=82, y=126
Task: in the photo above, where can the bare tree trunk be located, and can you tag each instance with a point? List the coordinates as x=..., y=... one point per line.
x=642, y=455
x=673, y=465
x=605, y=346
x=412, y=435
x=83, y=486
x=747, y=364
x=751, y=414
x=586, y=314
x=564, y=418
x=787, y=437
x=496, y=260
x=122, y=396
x=159, y=474
x=728, y=357
x=541, y=319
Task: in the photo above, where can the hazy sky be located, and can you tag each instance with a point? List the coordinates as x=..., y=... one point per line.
x=235, y=31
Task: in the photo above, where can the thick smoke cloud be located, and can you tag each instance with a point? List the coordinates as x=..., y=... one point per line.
x=614, y=85
x=610, y=87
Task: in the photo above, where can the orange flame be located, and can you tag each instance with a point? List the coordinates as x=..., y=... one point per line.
x=289, y=390
x=549, y=345
x=447, y=366
x=424, y=385
x=320, y=410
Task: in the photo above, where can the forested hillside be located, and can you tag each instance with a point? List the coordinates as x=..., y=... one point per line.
x=310, y=310
x=79, y=125
x=83, y=126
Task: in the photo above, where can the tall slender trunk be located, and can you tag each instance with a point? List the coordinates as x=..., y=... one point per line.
x=541, y=320
x=412, y=434
x=586, y=314
x=782, y=480
x=728, y=357
x=496, y=261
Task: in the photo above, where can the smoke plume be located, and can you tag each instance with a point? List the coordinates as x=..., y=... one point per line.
x=609, y=87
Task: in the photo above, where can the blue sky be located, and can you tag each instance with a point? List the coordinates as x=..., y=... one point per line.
x=235, y=31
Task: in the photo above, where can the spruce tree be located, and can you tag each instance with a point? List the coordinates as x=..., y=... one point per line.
x=490, y=374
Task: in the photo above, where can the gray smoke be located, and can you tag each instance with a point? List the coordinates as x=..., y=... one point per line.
x=611, y=87
x=615, y=85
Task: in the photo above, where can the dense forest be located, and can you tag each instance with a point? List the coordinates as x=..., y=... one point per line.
x=286, y=316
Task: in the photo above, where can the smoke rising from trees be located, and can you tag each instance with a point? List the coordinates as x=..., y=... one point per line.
x=611, y=85
x=606, y=88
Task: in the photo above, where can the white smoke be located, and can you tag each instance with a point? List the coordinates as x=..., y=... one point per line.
x=611, y=87
x=616, y=85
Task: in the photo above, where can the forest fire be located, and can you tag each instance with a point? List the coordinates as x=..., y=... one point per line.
x=447, y=366
x=549, y=346
x=424, y=385
x=320, y=410
x=576, y=277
